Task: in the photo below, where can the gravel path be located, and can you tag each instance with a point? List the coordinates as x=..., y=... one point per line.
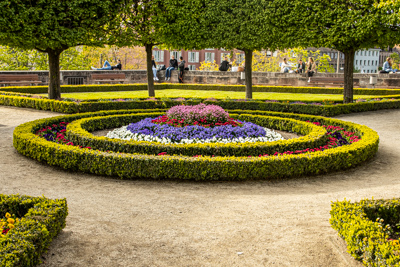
x=113, y=222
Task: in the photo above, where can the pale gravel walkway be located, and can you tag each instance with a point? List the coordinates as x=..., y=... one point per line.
x=162, y=223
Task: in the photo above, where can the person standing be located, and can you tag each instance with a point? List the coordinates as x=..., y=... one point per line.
x=225, y=65
x=173, y=64
x=181, y=69
x=154, y=68
x=387, y=66
x=301, y=67
x=311, y=68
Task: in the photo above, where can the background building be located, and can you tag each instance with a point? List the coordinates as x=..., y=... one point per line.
x=367, y=61
x=194, y=58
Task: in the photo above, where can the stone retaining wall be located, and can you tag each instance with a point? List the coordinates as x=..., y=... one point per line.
x=216, y=77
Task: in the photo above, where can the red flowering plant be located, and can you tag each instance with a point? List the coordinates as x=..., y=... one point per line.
x=201, y=115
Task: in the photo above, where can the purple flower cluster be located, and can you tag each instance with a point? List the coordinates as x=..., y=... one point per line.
x=190, y=114
x=176, y=134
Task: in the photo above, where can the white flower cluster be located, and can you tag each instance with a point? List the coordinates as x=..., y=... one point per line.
x=124, y=134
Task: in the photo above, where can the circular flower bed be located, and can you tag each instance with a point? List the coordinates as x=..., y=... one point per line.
x=332, y=145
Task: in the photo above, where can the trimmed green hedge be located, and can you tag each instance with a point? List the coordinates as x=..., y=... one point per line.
x=78, y=133
x=365, y=226
x=132, y=166
x=208, y=87
x=41, y=220
x=73, y=107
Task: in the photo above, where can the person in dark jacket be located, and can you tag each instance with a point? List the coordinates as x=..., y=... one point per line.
x=173, y=64
x=181, y=69
x=225, y=65
x=107, y=66
x=301, y=67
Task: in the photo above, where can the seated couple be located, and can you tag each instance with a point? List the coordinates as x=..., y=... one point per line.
x=107, y=66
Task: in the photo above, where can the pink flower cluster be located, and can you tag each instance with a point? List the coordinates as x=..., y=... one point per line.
x=191, y=114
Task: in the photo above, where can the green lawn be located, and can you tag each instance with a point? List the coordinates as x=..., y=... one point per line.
x=207, y=94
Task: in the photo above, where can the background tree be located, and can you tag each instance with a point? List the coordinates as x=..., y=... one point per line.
x=344, y=25
x=247, y=25
x=52, y=26
x=139, y=28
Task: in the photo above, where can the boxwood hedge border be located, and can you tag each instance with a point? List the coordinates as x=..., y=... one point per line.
x=41, y=220
x=133, y=166
x=208, y=87
x=83, y=107
x=363, y=226
x=78, y=132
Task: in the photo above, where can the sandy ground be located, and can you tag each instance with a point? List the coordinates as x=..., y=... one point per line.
x=172, y=223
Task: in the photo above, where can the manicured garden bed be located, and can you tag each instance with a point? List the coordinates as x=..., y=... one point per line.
x=370, y=229
x=279, y=159
x=28, y=228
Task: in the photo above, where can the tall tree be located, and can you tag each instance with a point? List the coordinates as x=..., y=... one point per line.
x=52, y=26
x=344, y=25
x=139, y=28
x=247, y=25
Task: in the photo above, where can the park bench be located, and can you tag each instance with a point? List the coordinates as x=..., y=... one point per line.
x=22, y=79
x=108, y=78
x=331, y=80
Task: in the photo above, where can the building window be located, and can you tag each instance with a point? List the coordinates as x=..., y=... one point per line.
x=223, y=55
x=209, y=57
x=368, y=62
x=365, y=63
x=209, y=49
x=176, y=54
x=369, y=53
x=376, y=62
x=193, y=57
x=192, y=67
x=158, y=56
x=239, y=59
x=356, y=62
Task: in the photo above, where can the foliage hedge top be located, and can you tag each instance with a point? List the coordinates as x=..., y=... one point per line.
x=138, y=165
x=208, y=87
x=41, y=220
x=369, y=227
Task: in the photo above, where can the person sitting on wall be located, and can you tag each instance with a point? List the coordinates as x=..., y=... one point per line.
x=107, y=66
x=311, y=68
x=173, y=64
x=225, y=65
x=154, y=68
x=387, y=66
x=181, y=69
x=301, y=67
x=285, y=66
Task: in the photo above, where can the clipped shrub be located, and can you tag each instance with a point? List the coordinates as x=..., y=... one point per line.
x=41, y=220
x=367, y=226
x=133, y=166
x=78, y=133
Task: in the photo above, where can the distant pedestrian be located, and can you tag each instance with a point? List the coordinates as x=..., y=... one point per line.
x=387, y=66
x=154, y=68
x=301, y=67
x=311, y=68
x=285, y=66
x=173, y=64
x=107, y=66
x=181, y=69
x=225, y=65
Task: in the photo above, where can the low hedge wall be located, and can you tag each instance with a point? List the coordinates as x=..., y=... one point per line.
x=132, y=166
x=366, y=227
x=207, y=87
x=41, y=220
x=78, y=133
x=82, y=107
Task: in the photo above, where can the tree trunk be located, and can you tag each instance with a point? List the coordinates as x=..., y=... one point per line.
x=150, y=78
x=248, y=57
x=348, y=76
x=54, y=90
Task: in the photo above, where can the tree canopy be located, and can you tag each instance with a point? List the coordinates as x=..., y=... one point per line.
x=247, y=25
x=344, y=25
x=52, y=26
